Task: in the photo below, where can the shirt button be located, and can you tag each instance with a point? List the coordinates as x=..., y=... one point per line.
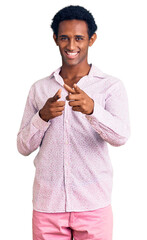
x=66, y=120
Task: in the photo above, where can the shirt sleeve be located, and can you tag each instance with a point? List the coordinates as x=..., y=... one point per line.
x=112, y=121
x=32, y=128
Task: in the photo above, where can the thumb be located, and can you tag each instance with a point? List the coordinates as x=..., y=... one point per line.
x=57, y=95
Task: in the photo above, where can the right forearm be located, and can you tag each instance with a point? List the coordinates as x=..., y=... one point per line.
x=28, y=143
x=30, y=137
x=35, y=122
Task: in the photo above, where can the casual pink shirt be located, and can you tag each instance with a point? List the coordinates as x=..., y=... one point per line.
x=73, y=167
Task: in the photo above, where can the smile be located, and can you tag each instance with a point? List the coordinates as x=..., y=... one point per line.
x=71, y=55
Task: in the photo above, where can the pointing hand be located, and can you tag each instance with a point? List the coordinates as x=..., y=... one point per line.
x=79, y=100
x=52, y=108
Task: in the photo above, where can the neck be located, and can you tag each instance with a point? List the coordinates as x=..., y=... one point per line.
x=76, y=71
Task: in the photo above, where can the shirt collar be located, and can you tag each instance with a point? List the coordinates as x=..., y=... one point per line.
x=94, y=71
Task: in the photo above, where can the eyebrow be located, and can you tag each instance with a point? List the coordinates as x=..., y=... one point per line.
x=63, y=36
x=75, y=36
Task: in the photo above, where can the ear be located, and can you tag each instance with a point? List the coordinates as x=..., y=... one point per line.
x=92, y=39
x=55, y=39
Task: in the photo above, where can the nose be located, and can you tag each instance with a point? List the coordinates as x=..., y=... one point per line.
x=71, y=44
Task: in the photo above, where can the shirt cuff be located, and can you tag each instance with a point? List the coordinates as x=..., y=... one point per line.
x=39, y=123
x=96, y=117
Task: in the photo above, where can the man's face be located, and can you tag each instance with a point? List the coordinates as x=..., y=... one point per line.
x=73, y=41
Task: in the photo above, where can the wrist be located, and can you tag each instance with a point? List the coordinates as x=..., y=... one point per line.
x=42, y=116
x=92, y=108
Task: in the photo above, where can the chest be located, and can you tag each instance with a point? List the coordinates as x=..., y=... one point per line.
x=71, y=82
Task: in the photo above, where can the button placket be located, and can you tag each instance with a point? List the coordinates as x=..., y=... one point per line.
x=66, y=157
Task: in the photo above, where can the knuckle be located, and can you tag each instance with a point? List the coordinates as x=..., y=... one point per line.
x=84, y=101
x=83, y=108
x=71, y=103
x=51, y=110
x=70, y=97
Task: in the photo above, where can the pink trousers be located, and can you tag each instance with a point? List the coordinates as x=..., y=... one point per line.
x=96, y=225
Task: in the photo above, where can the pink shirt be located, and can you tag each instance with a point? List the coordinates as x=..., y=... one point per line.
x=73, y=167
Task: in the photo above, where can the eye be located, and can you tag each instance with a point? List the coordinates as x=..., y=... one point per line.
x=64, y=38
x=79, y=38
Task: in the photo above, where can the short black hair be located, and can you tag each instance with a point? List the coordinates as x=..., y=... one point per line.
x=74, y=12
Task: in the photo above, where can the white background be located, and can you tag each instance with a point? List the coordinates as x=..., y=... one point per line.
x=27, y=54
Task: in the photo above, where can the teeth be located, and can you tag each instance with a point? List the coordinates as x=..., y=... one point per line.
x=72, y=54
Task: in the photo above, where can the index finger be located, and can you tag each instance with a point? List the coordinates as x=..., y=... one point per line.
x=69, y=89
x=55, y=98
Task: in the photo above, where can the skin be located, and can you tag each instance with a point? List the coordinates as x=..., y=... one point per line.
x=73, y=42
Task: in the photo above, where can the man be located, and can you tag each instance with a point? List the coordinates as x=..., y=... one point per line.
x=71, y=116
